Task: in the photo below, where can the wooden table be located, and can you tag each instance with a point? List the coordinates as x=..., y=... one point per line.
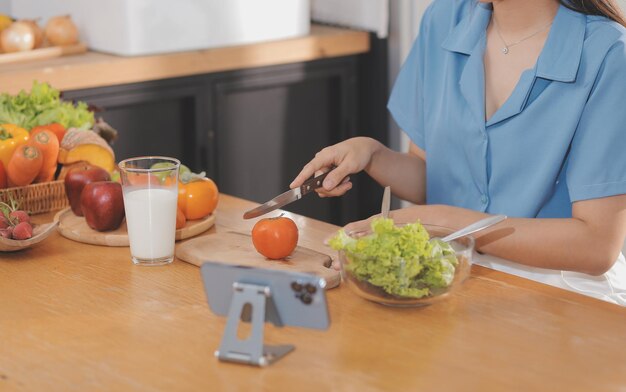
x=76, y=317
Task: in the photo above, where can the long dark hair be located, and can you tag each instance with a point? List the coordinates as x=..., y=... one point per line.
x=606, y=8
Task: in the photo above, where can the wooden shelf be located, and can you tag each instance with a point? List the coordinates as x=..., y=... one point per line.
x=94, y=69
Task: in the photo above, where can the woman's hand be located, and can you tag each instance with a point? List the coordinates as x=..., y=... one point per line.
x=350, y=156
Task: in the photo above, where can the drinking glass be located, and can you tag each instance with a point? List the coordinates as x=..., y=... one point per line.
x=150, y=187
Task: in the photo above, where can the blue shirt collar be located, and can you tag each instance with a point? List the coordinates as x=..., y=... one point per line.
x=560, y=58
x=470, y=30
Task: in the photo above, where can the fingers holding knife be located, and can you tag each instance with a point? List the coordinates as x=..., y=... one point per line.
x=336, y=183
x=296, y=193
x=344, y=186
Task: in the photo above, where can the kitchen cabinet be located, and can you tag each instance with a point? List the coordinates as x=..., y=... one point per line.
x=267, y=123
x=253, y=129
x=153, y=118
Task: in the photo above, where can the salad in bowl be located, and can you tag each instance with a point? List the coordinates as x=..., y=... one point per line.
x=403, y=264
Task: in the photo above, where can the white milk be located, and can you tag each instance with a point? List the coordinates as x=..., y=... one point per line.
x=151, y=221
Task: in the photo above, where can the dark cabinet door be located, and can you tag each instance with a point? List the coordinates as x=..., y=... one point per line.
x=253, y=130
x=153, y=118
x=267, y=123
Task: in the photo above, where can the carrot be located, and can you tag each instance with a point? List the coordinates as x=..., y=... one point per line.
x=3, y=176
x=24, y=165
x=48, y=144
x=56, y=128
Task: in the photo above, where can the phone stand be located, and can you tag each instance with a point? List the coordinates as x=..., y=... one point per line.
x=261, y=307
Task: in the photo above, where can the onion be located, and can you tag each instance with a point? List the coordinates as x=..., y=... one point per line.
x=60, y=31
x=36, y=31
x=18, y=37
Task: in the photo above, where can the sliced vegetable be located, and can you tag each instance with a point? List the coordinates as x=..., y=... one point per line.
x=81, y=145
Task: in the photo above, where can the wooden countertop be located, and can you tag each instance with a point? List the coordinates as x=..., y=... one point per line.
x=98, y=69
x=76, y=317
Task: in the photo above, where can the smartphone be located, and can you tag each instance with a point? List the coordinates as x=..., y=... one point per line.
x=295, y=299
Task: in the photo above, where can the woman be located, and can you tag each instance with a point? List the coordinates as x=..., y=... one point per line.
x=513, y=107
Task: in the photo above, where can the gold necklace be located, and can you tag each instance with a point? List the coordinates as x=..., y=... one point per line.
x=506, y=47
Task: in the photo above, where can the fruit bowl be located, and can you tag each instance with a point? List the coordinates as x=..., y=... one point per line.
x=397, y=281
x=40, y=233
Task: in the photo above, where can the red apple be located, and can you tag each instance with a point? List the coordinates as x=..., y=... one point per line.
x=77, y=178
x=103, y=205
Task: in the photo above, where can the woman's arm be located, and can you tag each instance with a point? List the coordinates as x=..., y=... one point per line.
x=404, y=172
x=588, y=242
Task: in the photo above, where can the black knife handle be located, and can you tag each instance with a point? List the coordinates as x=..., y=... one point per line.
x=313, y=183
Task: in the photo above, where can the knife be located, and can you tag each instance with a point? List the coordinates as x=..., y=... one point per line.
x=384, y=210
x=285, y=198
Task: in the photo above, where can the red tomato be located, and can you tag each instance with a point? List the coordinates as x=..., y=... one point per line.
x=275, y=238
x=198, y=198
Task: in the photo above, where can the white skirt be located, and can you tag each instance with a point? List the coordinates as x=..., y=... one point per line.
x=610, y=287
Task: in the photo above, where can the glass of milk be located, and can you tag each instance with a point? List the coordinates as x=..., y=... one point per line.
x=150, y=187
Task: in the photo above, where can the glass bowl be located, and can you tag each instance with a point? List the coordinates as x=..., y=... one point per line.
x=362, y=285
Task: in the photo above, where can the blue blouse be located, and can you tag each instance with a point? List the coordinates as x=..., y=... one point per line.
x=559, y=138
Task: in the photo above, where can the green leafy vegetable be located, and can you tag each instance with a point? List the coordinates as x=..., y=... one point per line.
x=402, y=260
x=43, y=106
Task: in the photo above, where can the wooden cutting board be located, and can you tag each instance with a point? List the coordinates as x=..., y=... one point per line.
x=43, y=53
x=76, y=228
x=236, y=248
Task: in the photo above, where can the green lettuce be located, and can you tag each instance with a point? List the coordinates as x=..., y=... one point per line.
x=401, y=260
x=42, y=106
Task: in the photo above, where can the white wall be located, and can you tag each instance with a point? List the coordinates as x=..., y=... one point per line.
x=5, y=7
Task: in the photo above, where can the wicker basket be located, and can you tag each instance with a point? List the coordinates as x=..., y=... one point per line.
x=38, y=198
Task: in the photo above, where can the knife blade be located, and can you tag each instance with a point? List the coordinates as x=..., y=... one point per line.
x=287, y=197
